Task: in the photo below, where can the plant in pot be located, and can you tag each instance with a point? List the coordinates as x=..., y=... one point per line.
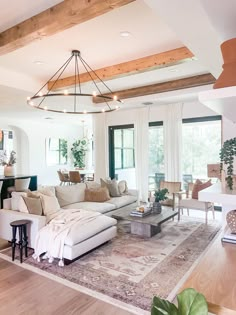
x=8, y=163
x=78, y=150
x=227, y=154
x=190, y=302
x=159, y=195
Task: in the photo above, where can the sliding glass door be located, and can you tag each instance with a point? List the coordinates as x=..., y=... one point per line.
x=122, y=153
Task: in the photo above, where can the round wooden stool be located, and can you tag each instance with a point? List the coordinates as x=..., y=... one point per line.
x=23, y=238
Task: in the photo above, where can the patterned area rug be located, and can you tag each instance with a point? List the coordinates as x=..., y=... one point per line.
x=133, y=269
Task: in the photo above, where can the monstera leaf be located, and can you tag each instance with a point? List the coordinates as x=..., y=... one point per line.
x=190, y=302
x=163, y=307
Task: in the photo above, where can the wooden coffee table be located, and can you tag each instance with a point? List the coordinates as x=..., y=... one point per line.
x=147, y=226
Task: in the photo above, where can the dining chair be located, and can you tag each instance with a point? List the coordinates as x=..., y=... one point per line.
x=74, y=177
x=64, y=178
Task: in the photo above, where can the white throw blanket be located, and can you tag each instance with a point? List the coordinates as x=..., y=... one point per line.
x=51, y=238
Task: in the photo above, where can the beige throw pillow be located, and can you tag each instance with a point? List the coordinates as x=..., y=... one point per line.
x=123, y=188
x=97, y=194
x=198, y=186
x=17, y=202
x=34, y=205
x=112, y=186
x=50, y=204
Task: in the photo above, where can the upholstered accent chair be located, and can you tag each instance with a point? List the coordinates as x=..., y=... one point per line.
x=195, y=204
x=174, y=191
x=21, y=184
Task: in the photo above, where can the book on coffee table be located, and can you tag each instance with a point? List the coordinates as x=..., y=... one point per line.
x=229, y=237
x=136, y=213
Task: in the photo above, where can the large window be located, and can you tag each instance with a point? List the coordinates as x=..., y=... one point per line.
x=124, y=148
x=122, y=153
x=156, y=154
x=201, y=145
x=56, y=151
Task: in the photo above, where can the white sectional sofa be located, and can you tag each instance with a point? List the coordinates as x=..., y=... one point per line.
x=78, y=241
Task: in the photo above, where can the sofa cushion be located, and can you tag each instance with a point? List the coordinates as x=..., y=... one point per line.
x=198, y=186
x=93, y=206
x=49, y=204
x=17, y=202
x=70, y=194
x=89, y=229
x=122, y=201
x=112, y=186
x=100, y=194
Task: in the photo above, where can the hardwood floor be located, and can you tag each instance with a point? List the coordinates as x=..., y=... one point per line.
x=25, y=292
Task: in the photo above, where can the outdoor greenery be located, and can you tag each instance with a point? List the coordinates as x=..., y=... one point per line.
x=78, y=150
x=201, y=145
x=227, y=154
x=190, y=302
x=156, y=150
x=64, y=148
x=5, y=161
x=160, y=194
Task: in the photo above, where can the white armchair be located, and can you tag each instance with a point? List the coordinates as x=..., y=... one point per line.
x=191, y=203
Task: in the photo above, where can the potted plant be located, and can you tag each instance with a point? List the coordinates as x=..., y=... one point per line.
x=159, y=195
x=227, y=154
x=8, y=163
x=190, y=302
x=78, y=150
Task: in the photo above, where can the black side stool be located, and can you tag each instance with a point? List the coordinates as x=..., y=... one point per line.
x=23, y=238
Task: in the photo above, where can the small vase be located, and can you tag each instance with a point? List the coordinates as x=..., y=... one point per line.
x=156, y=208
x=231, y=220
x=9, y=171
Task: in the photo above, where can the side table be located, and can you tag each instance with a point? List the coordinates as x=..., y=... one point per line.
x=23, y=238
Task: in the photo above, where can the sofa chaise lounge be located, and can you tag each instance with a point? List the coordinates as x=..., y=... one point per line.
x=77, y=242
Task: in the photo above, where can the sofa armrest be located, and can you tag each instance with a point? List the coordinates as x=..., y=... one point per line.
x=7, y=216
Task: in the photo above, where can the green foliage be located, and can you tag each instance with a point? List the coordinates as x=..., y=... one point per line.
x=160, y=194
x=78, y=150
x=190, y=302
x=64, y=148
x=227, y=154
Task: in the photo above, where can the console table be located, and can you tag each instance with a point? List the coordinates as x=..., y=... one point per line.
x=10, y=181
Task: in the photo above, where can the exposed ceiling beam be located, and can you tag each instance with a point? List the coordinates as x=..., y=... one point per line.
x=140, y=65
x=56, y=19
x=173, y=85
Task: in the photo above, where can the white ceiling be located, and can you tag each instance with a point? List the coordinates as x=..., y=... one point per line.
x=101, y=45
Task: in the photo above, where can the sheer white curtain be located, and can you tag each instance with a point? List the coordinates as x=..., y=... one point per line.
x=100, y=146
x=173, y=142
x=141, y=152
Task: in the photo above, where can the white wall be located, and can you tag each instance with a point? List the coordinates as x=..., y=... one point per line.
x=31, y=149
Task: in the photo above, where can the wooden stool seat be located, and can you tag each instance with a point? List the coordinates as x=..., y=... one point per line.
x=23, y=238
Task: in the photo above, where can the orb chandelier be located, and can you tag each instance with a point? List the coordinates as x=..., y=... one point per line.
x=74, y=100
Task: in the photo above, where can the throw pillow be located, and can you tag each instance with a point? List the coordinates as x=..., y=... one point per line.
x=112, y=186
x=92, y=184
x=198, y=186
x=50, y=204
x=123, y=188
x=17, y=203
x=34, y=205
x=96, y=194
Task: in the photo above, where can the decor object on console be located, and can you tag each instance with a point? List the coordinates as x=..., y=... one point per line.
x=159, y=195
x=74, y=101
x=227, y=154
x=8, y=163
x=190, y=302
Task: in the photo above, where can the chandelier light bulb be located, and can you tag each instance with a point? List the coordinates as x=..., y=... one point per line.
x=85, y=112
x=66, y=92
x=28, y=98
x=45, y=107
x=115, y=97
x=94, y=93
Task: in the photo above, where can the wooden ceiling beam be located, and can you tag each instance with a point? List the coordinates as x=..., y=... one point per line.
x=56, y=19
x=140, y=65
x=173, y=85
